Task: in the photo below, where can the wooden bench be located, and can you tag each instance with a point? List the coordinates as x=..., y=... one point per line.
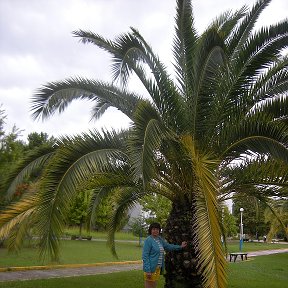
x=236, y=254
x=76, y=237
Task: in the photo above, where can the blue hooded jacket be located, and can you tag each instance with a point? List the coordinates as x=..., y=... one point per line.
x=151, y=253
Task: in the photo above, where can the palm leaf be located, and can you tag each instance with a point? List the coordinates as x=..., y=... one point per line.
x=184, y=45
x=244, y=30
x=57, y=95
x=212, y=262
x=16, y=220
x=72, y=165
x=270, y=83
x=34, y=160
x=126, y=198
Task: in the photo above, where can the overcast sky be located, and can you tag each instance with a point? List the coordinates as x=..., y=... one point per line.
x=37, y=46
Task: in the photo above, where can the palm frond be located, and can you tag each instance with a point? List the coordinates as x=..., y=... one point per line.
x=263, y=138
x=128, y=55
x=212, y=262
x=34, y=160
x=210, y=58
x=275, y=108
x=278, y=216
x=74, y=163
x=148, y=133
x=211, y=254
x=56, y=96
x=272, y=82
x=96, y=39
x=16, y=219
x=103, y=186
x=260, y=51
x=125, y=49
x=126, y=198
x=240, y=35
x=226, y=22
x=270, y=180
x=98, y=194
x=170, y=101
x=210, y=250
x=184, y=44
x=143, y=115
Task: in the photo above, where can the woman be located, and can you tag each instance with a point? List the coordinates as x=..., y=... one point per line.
x=153, y=255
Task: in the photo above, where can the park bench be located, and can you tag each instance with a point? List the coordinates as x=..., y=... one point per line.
x=236, y=254
x=75, y=237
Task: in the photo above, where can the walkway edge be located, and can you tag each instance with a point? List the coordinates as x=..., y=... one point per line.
x=48, y=267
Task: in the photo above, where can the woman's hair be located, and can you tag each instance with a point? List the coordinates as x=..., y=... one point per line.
x=154, y=225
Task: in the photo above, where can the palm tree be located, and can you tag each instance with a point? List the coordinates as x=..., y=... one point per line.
x=226, y=103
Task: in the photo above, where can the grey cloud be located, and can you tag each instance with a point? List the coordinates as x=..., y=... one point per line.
x=37, y=46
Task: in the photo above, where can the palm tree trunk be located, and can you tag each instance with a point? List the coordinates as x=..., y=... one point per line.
x=181, y=267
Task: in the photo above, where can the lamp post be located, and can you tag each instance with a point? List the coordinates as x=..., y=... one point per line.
x=241, y=229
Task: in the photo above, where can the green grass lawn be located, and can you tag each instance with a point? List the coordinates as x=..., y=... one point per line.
x=262, y=271
x=233, y=246
x=73, y=252
x=80, y=252
x=68, y=232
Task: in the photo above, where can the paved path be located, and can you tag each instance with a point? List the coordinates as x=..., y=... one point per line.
x=66, y=272
x=91, y=270
x=267, y=252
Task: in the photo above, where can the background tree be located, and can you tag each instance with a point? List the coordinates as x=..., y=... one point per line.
x=157, y=208
x=103, y=214
x=83, y=209
x=12, y=152
x=36, y=139
x=253, y=216
x=2, y=121
x=79, y=210
x=11, y=148
x=229, y=223
x=139, y=227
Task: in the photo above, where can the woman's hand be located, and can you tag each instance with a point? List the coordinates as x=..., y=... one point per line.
x=183, y=244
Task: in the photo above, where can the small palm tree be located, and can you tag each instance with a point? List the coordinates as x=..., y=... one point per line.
x=227, y=101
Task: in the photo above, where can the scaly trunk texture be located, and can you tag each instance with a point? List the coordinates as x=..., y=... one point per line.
x=181, y=266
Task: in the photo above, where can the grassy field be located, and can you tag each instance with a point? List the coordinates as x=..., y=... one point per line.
x=68, y=232
x=73, y=252
x=80, y=252
x=262, y=271
x=233, y=246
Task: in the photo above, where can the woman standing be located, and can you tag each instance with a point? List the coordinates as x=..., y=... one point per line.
x=153, y=255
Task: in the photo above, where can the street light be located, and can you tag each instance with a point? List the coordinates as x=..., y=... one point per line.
x=241, y=229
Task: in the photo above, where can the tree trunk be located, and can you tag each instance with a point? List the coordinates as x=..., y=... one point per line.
x=80, y=228
x=181, y=267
